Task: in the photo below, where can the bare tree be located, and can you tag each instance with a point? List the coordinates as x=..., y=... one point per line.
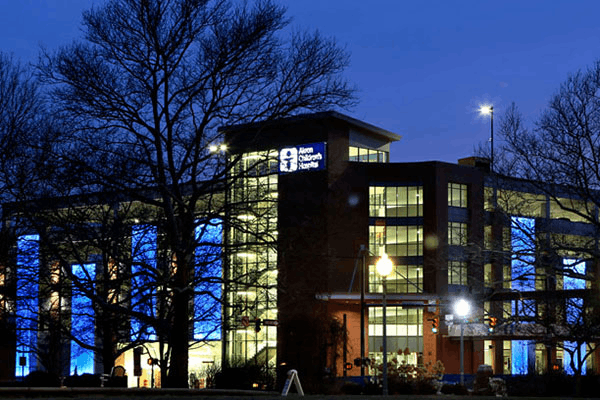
x=25, y=133
x=557, y=158
x=143, y=96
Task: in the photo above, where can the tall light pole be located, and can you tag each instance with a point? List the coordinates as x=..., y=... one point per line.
x=461, y=310
x=363, y=280
x=384, y=267
x=490, y=110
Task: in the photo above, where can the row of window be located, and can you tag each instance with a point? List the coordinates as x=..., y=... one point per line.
x=395, y=202
x=396, y=241
x=407, y=240
x=539, y=206
x=253, y=263
x=407, y=201
x=361, y=154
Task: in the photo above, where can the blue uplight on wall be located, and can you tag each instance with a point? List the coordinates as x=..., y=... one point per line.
x=578, y=354
x=523, y=245
x=573, y=311
x=144, y=239
x=523, y=253
x=82, y=319
x=28, y=264
x=520, y=357
x=523, y=264
x=208, y=271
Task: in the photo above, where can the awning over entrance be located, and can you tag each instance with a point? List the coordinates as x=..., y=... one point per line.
x=416, y=300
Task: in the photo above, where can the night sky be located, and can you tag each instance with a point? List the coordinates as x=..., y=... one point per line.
x=422, y=67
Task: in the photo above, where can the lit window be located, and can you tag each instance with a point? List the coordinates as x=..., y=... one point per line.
x=361, y=154
x=457, y=273
x=488, y=277
x=457, y=234
x=403, y=279
x=144, y=240
x=457, y=195
x=400, y=241
x=82, y=319
x=28, y=263
x=207, y=309
x=396, y=201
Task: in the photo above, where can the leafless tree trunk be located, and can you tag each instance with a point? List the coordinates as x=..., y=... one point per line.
x=145, y=92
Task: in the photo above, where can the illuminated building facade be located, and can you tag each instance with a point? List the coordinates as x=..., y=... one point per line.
x=452, y=230
x=311, y=203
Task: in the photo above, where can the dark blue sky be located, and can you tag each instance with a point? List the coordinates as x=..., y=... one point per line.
x=422, y=67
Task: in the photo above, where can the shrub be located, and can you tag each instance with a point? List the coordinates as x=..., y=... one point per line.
x=246, y=375
x=42, y=379
x=405, y=378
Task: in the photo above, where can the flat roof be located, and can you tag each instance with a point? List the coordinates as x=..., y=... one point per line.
x=390, y=136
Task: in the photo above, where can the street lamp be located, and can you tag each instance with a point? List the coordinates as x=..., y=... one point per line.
x=485, y=110
x=461, y=310
x=217, y=148
x=384, y=267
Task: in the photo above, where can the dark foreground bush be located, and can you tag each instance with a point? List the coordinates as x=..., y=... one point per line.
x=246, y=377
x=351, y=388
x=456, y=388
x=553, y=385
x=42, y=379
x=83, y=380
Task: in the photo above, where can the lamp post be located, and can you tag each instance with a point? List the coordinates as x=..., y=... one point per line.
x=363, y=280
x=490, y=110
x=461, y=310
x=384, y=267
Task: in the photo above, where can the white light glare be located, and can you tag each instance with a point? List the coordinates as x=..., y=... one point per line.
x=486, y=109
x=384, y=265
x=217, y=147
x=462, y=308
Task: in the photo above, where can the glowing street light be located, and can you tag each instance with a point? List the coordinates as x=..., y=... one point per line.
x=384, y=268
x=485, y=110
x=217, y=148
x=461, y=309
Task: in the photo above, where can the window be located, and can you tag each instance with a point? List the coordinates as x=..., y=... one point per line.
x=488, y=199
x=361, y=154
x=572, y=210
x=377, y=201
x=404, y=334
x=487, y=237
x=28, y=264
x=252, y=291
x=144, y=242
x=207, y=309
x=523, y=241
x=488, y=277
x=400, y=241
x=457, y=195
x=396, y=202
x=82, y=319
x=457, y=273
x=403, y=279
x=520, y=203
x=457, y=234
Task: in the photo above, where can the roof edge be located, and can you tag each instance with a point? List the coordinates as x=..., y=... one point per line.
x=390, y=136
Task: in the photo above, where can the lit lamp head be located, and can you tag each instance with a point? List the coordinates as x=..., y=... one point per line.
x=486, y=109
x=217, y=147
x=384, y=265
x=462, y=308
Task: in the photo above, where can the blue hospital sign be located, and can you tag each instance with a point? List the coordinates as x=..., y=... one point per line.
x=306, y=157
